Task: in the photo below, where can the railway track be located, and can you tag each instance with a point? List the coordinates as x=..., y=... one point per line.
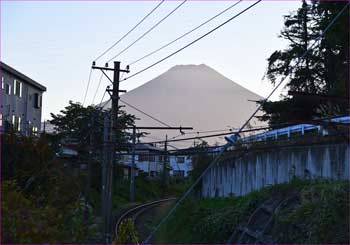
x=135, y=212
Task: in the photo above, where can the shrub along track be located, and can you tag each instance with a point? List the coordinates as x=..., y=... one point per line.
x=138, y=213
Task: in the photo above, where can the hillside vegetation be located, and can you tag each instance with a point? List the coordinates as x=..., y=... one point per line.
x=319, y=213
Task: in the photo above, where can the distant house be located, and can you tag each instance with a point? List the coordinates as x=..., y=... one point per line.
x=21, y=101
x=148, y=159
x=180, y=163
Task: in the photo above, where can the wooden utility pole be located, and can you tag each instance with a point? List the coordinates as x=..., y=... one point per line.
x=165, y=161
x=105, y=156
x=88, y=176
x=132, y=167
x=112, y=133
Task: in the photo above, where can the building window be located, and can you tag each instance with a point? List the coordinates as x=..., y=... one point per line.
x=180, y=159
x=17, y=88
x=37, y=100
x=2, y=82
x=0, y=120
x=35, y=131
x=146, y=158
x=7, y=88
x=16, y=123
x=143, y=158
x=179, y=173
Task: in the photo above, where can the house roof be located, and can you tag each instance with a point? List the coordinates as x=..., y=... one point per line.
x=149, y=147
x=21, y=76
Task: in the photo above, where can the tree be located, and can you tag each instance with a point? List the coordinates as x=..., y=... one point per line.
x=324, y=70
x=40, y=198
x=85, y=126
x=77, y=123
x=200, y=162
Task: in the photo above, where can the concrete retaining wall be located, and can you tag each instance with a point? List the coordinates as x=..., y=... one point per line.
x=258, y=169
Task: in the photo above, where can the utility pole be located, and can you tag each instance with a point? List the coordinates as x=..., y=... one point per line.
x=88, y=176
x=165, y=161
x=109, y=168
x=132, y=167
x=106, y=126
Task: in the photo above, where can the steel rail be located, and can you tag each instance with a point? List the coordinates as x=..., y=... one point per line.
x=139, y=209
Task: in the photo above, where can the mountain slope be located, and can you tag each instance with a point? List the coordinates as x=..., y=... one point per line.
x=191, y=95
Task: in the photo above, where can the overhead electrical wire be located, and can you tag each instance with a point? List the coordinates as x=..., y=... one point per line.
x=193, y=42
x=126, y=34
x=211, y=135
x=229, y=144
x=139, y=110
x=148, y=31
x=103, y=98
x=98, y=87
x=187, y=33
x=202, y=132
x=87, y=87
x=206, y=149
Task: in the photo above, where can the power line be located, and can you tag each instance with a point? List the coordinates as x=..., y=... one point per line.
x=87, y=87
x=125, y=35
x=202, y=132
x=212, y=18
x=103, y=53
x=139, y=110
x=225, y=147
x=193, y=42
x=231, y=130
x=98, y=86
x=185, y=34
x=211, y=135
x=103, y=98
x=155, y=138
x=148, y=31
x=173, y=139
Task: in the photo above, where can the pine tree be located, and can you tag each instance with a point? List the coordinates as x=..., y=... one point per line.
x=323, y=71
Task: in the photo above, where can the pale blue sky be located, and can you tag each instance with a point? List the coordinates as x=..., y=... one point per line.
x=55, y=42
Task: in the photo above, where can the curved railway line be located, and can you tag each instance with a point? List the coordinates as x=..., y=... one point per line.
x=135, y=212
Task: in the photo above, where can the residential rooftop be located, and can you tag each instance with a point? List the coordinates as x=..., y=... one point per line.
x=20, y=75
